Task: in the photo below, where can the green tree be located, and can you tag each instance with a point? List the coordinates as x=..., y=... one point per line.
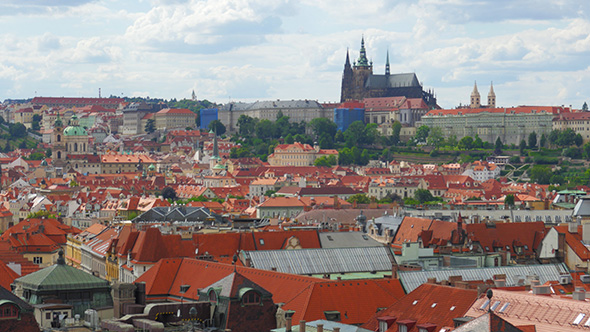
x=578, y=140
x=465, y=143
x=323, y=126
x=289, y=139
x=359, y=199
x=150, y=126
x=554, y=136
x=532, y=140
x=339, y=137
x=395, y=132
x=509, y=201
x=566, y=137
x=435, y=137
x=522, y=146
x=423, y=196
x=586, y=149
x=246, y=125
x=585, y=107
x=422, y=134
x=35, y=126
x=264, y=129
x=477, y=142
x=354, y=133
x=498, y=146
x=22, y=145
x=18, y=130
x=452, y=141
x=217, y=127
x=326, y=161
x=543, y=141
x=541, y=174
x=169, y=193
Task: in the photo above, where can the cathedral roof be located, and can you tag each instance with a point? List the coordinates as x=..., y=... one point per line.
x=75, y=131
x=392, y=81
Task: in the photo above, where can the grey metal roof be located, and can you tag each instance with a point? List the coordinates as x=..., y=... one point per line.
x=546, y=272
x=582, y=208
x=322, y=261
x=393, y=81
x=347, y=240
x=270, y=104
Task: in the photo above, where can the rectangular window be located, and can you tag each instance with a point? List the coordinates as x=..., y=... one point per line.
x=38, y=260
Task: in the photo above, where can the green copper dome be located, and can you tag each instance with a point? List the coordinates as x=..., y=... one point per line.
x=75, y=131
x=152, y=167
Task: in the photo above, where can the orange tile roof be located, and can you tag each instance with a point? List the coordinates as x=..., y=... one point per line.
x=308, y=297
x=517, y=110
x=523, y=234
x=410, y=229
x=7, y=275
x=429, y=303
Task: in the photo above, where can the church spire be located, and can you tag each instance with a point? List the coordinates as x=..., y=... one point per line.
x=492, y=96
x=475, y=97
x=362, y=61
x=387, y=64
x=347, y=63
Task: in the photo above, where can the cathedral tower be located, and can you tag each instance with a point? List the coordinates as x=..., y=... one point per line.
x=475, y=97
x=347, y=75
x=492, y=97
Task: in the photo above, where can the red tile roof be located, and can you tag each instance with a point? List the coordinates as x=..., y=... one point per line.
x=7, y=276
x=427, y=304
x=308, y=297
x=523, y=234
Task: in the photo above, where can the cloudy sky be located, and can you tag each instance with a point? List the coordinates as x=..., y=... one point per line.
x=536, y=52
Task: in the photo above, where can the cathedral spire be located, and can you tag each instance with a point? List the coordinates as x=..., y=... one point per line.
x=387, y=64
x=347, y=63
x=362, y=61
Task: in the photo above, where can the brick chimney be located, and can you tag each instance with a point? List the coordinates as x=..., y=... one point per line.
x=320, y=328
x=289, y=324
x=301, y=325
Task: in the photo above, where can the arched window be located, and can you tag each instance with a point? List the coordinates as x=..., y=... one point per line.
x=59, y=138
x=58, y=154
x=251, y=297
x=75, y=147
x=8, y=310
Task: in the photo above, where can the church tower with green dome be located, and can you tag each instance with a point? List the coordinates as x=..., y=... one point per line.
x=76, y=138
x=58, y=141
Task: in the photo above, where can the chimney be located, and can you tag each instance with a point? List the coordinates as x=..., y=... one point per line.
x=586, y=233
x=301, y=325
x=535, y=283
x=541, y=290
x=288, y=324
x=579, y=294
x=500, y=283
x=320, y=328
x=336, y=329
x=572, y=227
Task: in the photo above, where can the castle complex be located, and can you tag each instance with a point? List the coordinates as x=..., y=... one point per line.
x=359, y=82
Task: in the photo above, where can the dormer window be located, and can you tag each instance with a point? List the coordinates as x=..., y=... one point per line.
x=251, y=297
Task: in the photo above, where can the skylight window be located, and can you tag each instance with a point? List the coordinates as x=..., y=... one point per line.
x=415, y=301
x=587, y=324
x=484, y=305
x=433, y=305
x=452, y=308
x=579, y=319
x=495, y=305
x=504, y=306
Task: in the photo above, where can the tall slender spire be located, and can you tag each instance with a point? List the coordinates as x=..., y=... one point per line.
x=387, y=64
x=347, y=63
x=362, y=61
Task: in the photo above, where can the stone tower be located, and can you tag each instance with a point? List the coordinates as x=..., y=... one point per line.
x=475, y=97
x=347, y=75
x=492, y=97
x=59, y=143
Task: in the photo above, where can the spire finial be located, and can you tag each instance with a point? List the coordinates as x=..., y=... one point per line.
x=387, y=64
